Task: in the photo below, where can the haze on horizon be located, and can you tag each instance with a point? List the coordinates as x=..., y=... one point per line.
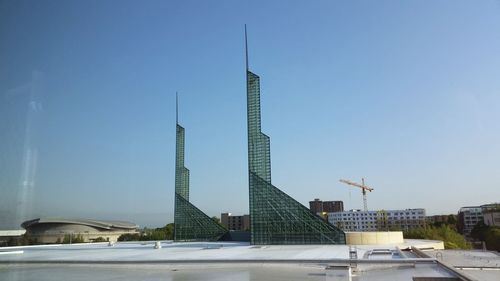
x=404, y=94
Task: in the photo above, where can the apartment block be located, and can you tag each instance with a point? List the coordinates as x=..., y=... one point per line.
x=235, y=222
x=358, y=220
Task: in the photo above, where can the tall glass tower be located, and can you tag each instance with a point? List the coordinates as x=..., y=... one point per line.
x=190, y=223
x=275, y=217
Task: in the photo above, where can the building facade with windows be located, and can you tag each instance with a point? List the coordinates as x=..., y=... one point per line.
x=491, y=214
x=318, y=206
x=491, y=217
x=358, y=220
x=468, y=217
x=241, y=223
x=333, y=206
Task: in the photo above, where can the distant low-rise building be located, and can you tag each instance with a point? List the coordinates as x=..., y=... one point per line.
x=235, y=222
x=319, y=207
x=468, y=217
x=358, y=220
x=55, y=230
x=316, y=206
x=333, y=206
x=491, y=214
x=6, y=235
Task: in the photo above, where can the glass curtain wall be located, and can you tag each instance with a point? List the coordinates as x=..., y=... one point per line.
x=275, y=217
x=190, y=223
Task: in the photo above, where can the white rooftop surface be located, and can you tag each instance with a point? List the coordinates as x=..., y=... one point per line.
x=482, y=265
x=189, y=252
x=205, y=261
x=252, y=272
x=470, y=258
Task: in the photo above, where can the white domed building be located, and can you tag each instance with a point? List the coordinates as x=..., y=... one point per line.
x=54, y=230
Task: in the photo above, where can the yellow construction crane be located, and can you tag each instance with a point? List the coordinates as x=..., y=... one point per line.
x=363, y=187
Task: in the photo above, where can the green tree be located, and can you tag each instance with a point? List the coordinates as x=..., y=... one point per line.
x=478, y=232
x=72, y=238
x=99, y=239
x=492, y=239
x=168, y=230
x=382, y=220
x=24, y=240
x=155, y=235
x=130, y=237
x=161, y=233
x=452, y=220
x=489, y=234
x=451, y=238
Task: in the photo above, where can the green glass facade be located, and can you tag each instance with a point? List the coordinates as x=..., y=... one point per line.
x=275, y=217
x=190, y=223
x=181, y=172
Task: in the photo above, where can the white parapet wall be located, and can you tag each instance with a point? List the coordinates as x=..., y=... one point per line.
x=426, y=244
x=374, y=238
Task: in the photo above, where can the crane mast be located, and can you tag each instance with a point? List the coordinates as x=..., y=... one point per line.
x=363, y=187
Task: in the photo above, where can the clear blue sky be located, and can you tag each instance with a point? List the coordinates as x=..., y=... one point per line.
x=403, y=93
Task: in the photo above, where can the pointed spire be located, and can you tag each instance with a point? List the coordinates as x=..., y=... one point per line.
x=246, y=47
x=177, y=108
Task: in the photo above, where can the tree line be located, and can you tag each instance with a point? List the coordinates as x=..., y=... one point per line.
x=161, y=233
